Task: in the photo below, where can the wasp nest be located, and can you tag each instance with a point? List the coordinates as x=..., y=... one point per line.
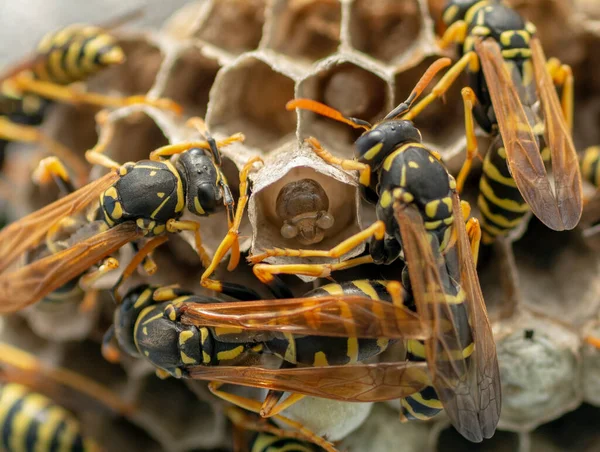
x=236, y=63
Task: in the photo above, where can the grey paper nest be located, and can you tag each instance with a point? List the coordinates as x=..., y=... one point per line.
x=236, y=63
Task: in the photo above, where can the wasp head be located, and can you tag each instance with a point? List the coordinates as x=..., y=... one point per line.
x=375, y=145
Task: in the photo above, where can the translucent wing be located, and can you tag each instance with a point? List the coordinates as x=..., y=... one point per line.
x=447, y=348
x=29, y=284
x=340, y=316
x=522, y=150
x=484, y=361
x=351, y=383
x=565, y=165
x=23, y=234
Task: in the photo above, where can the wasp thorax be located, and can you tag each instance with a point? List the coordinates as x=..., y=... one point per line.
x=303, y=206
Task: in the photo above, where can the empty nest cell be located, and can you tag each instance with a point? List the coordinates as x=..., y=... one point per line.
x=250, y=97
x=353, y=90
x=385, y=29
x=450, y=439
x=190, y=81
x=306, y=29
x=135, y=137
x=233, y=25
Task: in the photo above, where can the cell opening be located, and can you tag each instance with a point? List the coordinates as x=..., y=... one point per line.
x=350, y=89
x=135, y=137
x=250, y=98
x=341, y=207
x=190, y=81
x=452, y=440
x=234, y=25
x=309, y=30
x=385, y=29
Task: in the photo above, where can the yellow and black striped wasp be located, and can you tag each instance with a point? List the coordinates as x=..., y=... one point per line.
x=31, y=418
x=62, y=58
x=163, y=326
x=136, y=200
x=512, y=96
x=420, y=217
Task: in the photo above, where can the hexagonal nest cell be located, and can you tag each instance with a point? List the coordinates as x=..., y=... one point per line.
x=385, y=29
x=237, y=63
x=233, y=25
x=190, y=81
x=309, y=30
x=331, y=85
x=250, y=97
x=270, y=204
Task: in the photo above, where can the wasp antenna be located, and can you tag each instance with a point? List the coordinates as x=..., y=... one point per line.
x=425, y=79
x=324, y=110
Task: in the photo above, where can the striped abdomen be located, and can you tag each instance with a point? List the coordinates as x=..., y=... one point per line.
x=32, y=422
x=590, y=165
x=501, y=205
x=75, y=53
x=323, y=351
x=425, y=404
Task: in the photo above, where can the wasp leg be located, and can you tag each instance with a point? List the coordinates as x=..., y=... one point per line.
x=265, y=272
x=376, y=230
x=231, y=239
x=51, y=168
x=187, y=225
x=469, y=59
x=562, y=75
x=272, y=405
x=454, y=34
x=73, y=95
x=255, y=406
x=29, y=134
x=363, y=169
x=474, y=232
x=595, y=341
x=469, y=100
x=95, y=156
x=137, y=260
x=110, y=348
x=87, y=280
x=173, y=149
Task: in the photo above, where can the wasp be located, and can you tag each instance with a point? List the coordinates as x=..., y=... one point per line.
x=420, y=218
x=512, y=96
x=163, y=326
x=32, y=419
x=72, y=54
x=136, y=200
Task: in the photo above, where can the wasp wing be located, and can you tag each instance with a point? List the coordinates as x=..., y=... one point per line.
x=19, y=236
x=29, y=284
x=351, y=383
x=522, y=149
x=450, y=343
x=340, y=316
x=484, y=361
x=565, y=164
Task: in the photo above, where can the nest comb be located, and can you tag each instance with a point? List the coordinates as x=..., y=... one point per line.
x=325, y=49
